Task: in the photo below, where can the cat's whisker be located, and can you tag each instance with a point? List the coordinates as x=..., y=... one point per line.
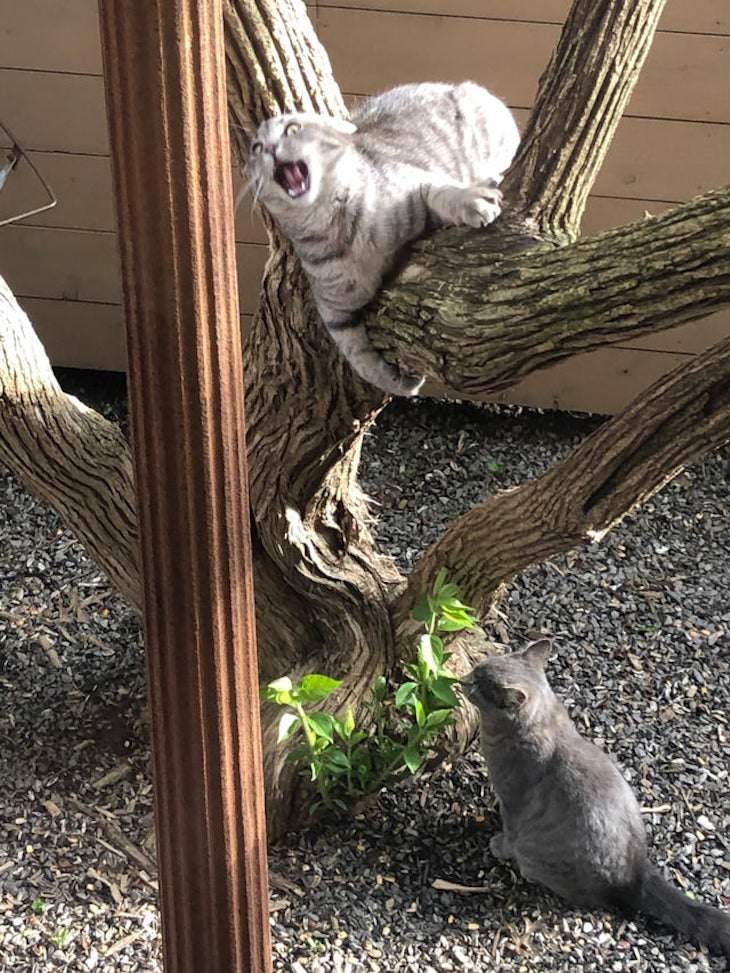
x=240, y=196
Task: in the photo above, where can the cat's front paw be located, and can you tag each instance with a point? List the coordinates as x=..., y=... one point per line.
x=499, y=846
x=478, y=205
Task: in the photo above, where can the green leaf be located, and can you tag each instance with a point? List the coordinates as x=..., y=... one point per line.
x=455, y=622
x=337, y=760
x=427, y=656
x=320, y=744
x=439, y=581
x=493, y=465
x=380, y=687
x=405, y=694
x=314, y=769
x=419, y=711
x=38, y=906
x=348, y=724
x=454, y=609
x=294, y=756
x=287, y=725
x=437, y=718
x=323, y=725
x=314, y=688
x=422, y=671
x=450, y=625
x=412, y=759
x=441, y=688
x=279, y=691
x=421, y=611
x=284, y=684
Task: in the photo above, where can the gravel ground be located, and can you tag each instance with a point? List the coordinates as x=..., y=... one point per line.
x=641, y=625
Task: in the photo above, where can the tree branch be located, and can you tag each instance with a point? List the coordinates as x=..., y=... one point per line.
x=65, y=453
x=680, y=418
x=582, y=96
x=275, y=64
x=474, y=318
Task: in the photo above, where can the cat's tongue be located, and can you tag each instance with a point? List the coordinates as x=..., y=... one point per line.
x=293, y=177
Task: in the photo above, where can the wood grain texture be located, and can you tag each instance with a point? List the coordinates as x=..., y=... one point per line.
x=165, y=74
x=471, y=309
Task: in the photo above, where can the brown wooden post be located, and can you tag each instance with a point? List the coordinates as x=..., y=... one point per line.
x=165, y=80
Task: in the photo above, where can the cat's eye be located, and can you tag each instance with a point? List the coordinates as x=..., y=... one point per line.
x=256, y=148
x=291, y=128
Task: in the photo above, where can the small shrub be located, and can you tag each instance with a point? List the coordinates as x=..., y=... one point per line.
x=348, y=763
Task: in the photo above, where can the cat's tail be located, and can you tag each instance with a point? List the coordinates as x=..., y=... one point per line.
x=698, y=922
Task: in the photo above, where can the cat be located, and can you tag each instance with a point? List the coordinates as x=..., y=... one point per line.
x=570, y=820
x=349, y=195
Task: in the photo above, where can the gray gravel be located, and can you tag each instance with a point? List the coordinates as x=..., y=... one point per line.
x=641, y=624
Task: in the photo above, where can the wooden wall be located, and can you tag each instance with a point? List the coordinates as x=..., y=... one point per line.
x=673, y=143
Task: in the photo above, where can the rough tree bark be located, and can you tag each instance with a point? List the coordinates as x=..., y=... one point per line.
x=525, y=295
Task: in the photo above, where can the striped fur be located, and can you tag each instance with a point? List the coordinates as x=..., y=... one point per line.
x=570, y=821
x=411, y=159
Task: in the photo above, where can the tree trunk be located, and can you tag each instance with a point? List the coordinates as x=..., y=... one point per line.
x=524, y=296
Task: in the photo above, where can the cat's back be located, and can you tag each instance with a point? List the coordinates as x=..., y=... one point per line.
x=588, y=773
x=461, y=129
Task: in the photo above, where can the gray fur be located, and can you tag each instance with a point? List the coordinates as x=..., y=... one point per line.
x=570, y=820
x=416, y=157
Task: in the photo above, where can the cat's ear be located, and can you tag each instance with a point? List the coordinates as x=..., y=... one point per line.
x=513, y=698
x=537, y=653
x=342, y=125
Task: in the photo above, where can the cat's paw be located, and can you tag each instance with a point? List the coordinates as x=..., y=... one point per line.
x=398, y=384
x=499, y=846
x=478, y=205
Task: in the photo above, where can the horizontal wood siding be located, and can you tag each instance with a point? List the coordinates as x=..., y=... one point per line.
x=371, y=51
x=673, y=143
x=691, y=16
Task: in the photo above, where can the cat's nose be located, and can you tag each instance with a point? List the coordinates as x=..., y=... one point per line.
x=270, y=147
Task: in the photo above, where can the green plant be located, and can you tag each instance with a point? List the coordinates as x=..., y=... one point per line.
x=38, y=906
x=348, y=763
x=61, y=937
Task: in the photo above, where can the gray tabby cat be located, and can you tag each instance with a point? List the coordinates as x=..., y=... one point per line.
x=571, y=822
x=350, y=194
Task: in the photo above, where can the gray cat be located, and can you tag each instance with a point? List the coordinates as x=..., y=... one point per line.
x=350, y=194
x=571, y=822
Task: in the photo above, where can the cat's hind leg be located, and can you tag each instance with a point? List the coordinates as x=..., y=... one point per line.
x=352, y=340
x=477, y=205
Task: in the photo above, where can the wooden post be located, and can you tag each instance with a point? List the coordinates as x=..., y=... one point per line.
x=165, y=79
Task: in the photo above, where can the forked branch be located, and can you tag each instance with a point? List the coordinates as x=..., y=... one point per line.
x=680, y=418
x=582, y=96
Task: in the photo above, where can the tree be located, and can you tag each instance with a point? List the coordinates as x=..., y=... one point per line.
x=529, y=293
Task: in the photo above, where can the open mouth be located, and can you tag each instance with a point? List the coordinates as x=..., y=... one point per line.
x=293, y=177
